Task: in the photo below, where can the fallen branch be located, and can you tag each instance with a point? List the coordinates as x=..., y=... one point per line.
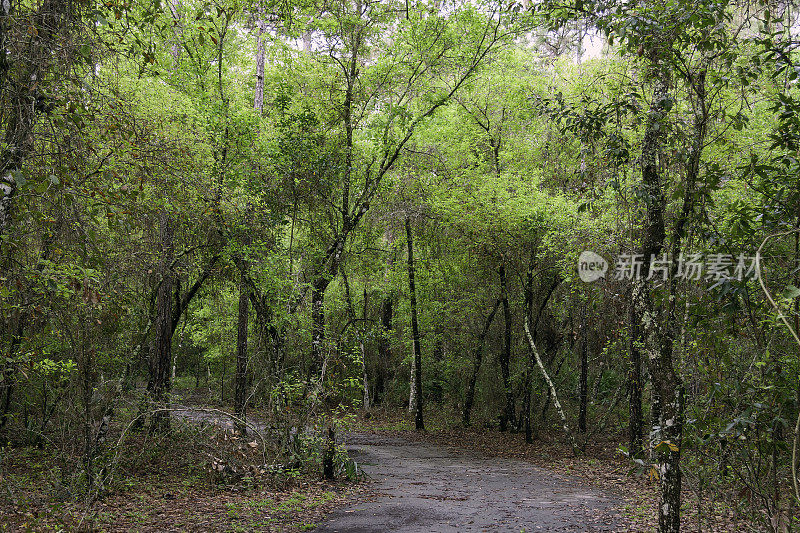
x=551, y=385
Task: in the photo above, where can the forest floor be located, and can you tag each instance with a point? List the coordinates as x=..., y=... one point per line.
x=199, y=476
x=445, y=479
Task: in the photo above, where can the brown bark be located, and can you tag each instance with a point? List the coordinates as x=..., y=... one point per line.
x=161, y=349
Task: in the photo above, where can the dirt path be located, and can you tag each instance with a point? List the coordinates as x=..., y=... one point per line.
x=423, y=488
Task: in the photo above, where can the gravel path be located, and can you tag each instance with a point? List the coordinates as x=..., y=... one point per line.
x=423, y=488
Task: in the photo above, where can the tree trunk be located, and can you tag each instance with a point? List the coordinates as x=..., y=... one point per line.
x=550, y=384
x=10, y=162
x=50, y=25
x=507, y=418
x=657, y=338
x=635, y=423
x=9, y=371
x=362, y=346
x=476, y=367
x=384, y=347
x=584, y=379
x=655, y=422
x=318, y=323
x=160, y=354
x=526, y=411
x=8, y=190
x=240, y=396
x=417, y=385
x=435, y=394
x=365, y=381
x=328, y=471
x=412, y=387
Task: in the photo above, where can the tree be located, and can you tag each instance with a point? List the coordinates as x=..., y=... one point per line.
x=416, y=387
x=426, y=41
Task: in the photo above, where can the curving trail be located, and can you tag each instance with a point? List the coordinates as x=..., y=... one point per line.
x=427, y=489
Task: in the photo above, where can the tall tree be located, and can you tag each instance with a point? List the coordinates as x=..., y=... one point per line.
x=427, y=41
x=507, y=418
x=416, y=385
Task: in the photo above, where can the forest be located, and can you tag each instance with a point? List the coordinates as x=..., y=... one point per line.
x=241, y=238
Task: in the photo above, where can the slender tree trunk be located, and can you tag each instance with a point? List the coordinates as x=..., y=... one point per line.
x=8, y=191
x=11, y=161
x=9, y=371
x=362, y=346
x=318, y=323
x=655, y=422
x=418, y=421
x=657, y=338
x=635, y=423
x=365, y=381
x=384, y=347
x=476, y=366
x=526, y=411
x=360, y=334
x=86, y=361
x=412, y=388
x=584, y=378
x=240, y=396
x=160, y=354
x=177, y=31
x=435, y=394
x=507, y=418
x=329, y=453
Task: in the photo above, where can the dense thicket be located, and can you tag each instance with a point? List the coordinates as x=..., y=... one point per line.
x=307, y=206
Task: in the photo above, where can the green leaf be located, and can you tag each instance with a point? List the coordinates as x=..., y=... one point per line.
x=19, y=178
x=791, y=292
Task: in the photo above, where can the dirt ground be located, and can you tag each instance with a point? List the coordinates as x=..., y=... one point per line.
x=418, y=487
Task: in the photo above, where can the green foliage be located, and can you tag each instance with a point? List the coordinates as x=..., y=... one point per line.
x=495, y=148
